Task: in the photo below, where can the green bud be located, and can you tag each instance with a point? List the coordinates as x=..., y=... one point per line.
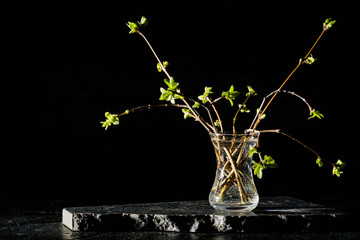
x=315, y=113
x=337, y=169
x=143, y=22
x=243, y=108
x=205, y=97
x=310, y=60
x=251, y=92
x=186, y=113
x=159, y=67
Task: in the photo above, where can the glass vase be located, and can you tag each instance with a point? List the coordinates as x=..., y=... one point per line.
x=234, y=188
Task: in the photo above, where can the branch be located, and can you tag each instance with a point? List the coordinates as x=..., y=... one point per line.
x=198, y=118
x=217, y=115
x=292, y=138
x=149, y=106
x=301, y=61
x=113, y=119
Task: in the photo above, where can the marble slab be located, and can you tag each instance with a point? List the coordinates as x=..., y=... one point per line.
x=273, y=214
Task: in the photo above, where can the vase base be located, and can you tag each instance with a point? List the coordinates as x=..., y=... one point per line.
x=243, y=208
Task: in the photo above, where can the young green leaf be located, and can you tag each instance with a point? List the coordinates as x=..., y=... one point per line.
x=319, y=162
x=258, y=169
x=269, y=162
x=186, y=113
x=196, y=105
x=105, y=124
x=167, y=95
x=108, y=115
x=170, y=94
x=340, y=163
x=135, y=27
x=159, y=67
x=252, y=151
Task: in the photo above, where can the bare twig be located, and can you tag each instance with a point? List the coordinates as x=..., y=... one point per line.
x=149, y=106
x=303, y=99
x=237, y=112
x=217, y=115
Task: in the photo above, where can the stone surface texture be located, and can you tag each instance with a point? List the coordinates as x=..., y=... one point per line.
x=276, y=214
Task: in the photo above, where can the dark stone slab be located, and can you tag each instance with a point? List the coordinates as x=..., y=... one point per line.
x=275, y=214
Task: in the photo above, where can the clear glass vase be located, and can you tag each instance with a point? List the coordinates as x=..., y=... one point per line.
x=234, y=188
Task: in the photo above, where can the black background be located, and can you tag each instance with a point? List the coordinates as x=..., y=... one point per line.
x=70, y=63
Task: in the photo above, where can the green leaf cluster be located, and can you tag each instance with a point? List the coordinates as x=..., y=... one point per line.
x=338, y=167
x=170, y=94
x=328, y=23
x=230, y=95
x=110, y=119
x=258, y=167
x=205, y=97
x=135, y=27
x=315, y=113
